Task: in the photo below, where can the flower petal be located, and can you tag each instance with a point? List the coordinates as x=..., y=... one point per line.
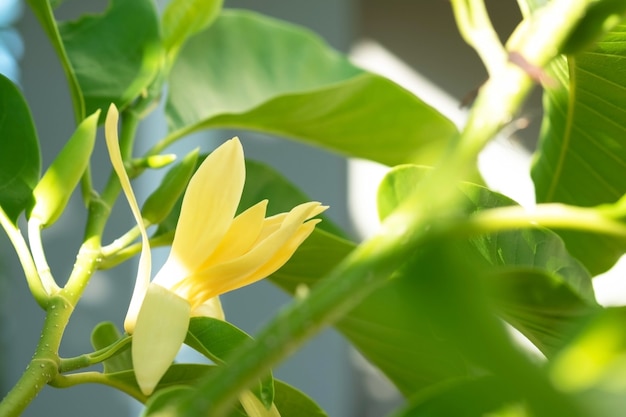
x=241, y=236
x=145, y=259
x=208, y=207
x=210, y=308
x=265, y=258
x=159, y=333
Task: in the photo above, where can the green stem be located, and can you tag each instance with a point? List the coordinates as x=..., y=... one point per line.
x=553, y=215
x=66, y=381
x=28, y=265
x=475, y=26
x=121, y=242
x=45, y=363
x=39, y=256
x=86, y=360
x=43, y=11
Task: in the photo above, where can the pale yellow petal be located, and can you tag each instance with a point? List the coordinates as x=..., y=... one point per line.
x=254, y=407
x=210, y=308
x=273, y=223
x=145, y=259
x=209, y=204
x=159, y=333
x=243, y=233
x=239, y=272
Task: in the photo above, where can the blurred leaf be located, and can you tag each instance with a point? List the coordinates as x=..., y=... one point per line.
x=105, y=334
x=176, y=375
x=216, y=339
x=157, y=404
x=538, y=287
x=385, y=327
x=592, y=366
x=294, y=403
x=582, y=150
x=184, y=18
x=115, y=55
x=251, y=72
x=448, y=290
x=289, y=401
x=460, y=398
x=20, y=161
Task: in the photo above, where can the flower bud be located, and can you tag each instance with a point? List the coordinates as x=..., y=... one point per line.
x=56, y=186
x=162, y=200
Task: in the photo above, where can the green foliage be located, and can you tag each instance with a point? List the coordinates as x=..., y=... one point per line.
x=19, y=151
x=581, y=151
x=429, y=298
x=119, y=69
x=231, y=75
x=216, y=339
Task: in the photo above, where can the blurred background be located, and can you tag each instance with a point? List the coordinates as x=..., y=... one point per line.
x=413, y=42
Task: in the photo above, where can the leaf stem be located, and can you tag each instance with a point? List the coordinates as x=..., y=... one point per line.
x=552, y=215
x=475, y=26
x=39, y=256
x=66, y=381
x=88, y=359
x=35, y=284
x=43, y=11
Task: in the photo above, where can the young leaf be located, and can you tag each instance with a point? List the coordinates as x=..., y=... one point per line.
x=582, y=154
x=105, y=334
x=252, y=72
x=185, y=18
x=20, y=161
x=115, y=55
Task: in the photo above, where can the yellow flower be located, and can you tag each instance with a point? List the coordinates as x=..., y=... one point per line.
x=213, y=252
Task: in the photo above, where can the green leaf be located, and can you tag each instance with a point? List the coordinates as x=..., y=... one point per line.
x=105, y=334
x=447, y=288
x=294, y=403
x=216, y=339
x=20, y=161
x=594, y=362
x=460, y=398
x=582, y=150
x=252, y=72
x=115, y=55
x=176, y=375
x=385, y=327
x=184, y=18
x=537, y=286
x=289, y=401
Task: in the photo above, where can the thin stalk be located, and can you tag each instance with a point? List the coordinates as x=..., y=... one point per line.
x=39, y=256
x=43, y=11
x=66, y=381
x=89, y=359
x=26, y=260
x=553, y=215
